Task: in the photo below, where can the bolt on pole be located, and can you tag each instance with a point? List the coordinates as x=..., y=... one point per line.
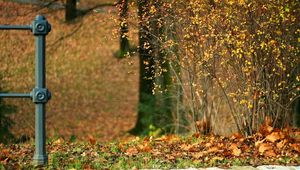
x=40, y=94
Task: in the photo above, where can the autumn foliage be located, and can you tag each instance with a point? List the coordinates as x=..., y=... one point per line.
x=268, y=146
x=237, y=59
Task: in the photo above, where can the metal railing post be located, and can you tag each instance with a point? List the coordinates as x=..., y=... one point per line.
x=40, y=94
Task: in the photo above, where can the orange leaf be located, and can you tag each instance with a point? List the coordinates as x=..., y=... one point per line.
x=236, y=136
x=274, y=136
x=270, y=153
x=264, y=147
x=296, y=147
x=92, y=140
x=257, y=143
x=131, y=151
x=145, y=148
x=235, y=150
x=198, y=155
x=213, y=149
x=281, y=144
x=189, y=147
x=266, y=128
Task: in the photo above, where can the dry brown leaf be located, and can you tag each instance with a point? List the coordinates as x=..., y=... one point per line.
x=58, y=141
x=264, y=147
x=198, y=155
x=92, y=140
x=257, y=143
x=131, y=151
x=266, y=128
x=274, y=136
x=236, y=136
x=208, y=145
x=185, y=147
x=145, y=148
x=170, y=157
x=156, y=152
x=217, y=158
x=295, y=147
x=270, y=153
x=235, y=150
x=167, y=138
x=213, y=149
x=281, y=144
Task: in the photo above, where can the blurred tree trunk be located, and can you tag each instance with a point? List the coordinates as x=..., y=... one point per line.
x=146, y=79
x=124, y=42
x=155, y=104
x=296, y=109
x=71, y=11
x=163, y=79
x=5, y=122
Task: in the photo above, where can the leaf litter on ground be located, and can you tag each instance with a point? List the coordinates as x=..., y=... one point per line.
x=267, y=146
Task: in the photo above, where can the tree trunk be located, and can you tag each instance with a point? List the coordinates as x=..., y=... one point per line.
x=155, y=110
x=124, y=42
x=70, y=13
x=146, y=83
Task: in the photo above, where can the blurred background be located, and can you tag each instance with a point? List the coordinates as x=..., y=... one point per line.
x=154, y=67
x=94, y=94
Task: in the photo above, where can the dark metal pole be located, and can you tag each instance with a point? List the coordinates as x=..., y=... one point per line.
x=14, y=95
x=40, y=94
x=15, y=27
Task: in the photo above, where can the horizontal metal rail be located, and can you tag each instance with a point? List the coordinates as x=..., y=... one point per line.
x=15, y=27
x=14, y=95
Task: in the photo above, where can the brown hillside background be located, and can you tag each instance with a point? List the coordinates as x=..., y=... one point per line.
x=94, y=94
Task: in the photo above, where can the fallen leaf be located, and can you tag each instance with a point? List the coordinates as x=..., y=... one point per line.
x=58, y=141
x=281, y=144
x=213, y=149
x=295, y=147
x=264, y=147
x=217, y=158
x=208, y=145
x=92, y=140
x=145, y=147
x=198, y=155
x=270, y=153
x=131, y=151
x=189, y=147
x=170, y=157
x=266, y=128
x=274, y=136
x=236, y=136
x=235, y=150
x=257, y=143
